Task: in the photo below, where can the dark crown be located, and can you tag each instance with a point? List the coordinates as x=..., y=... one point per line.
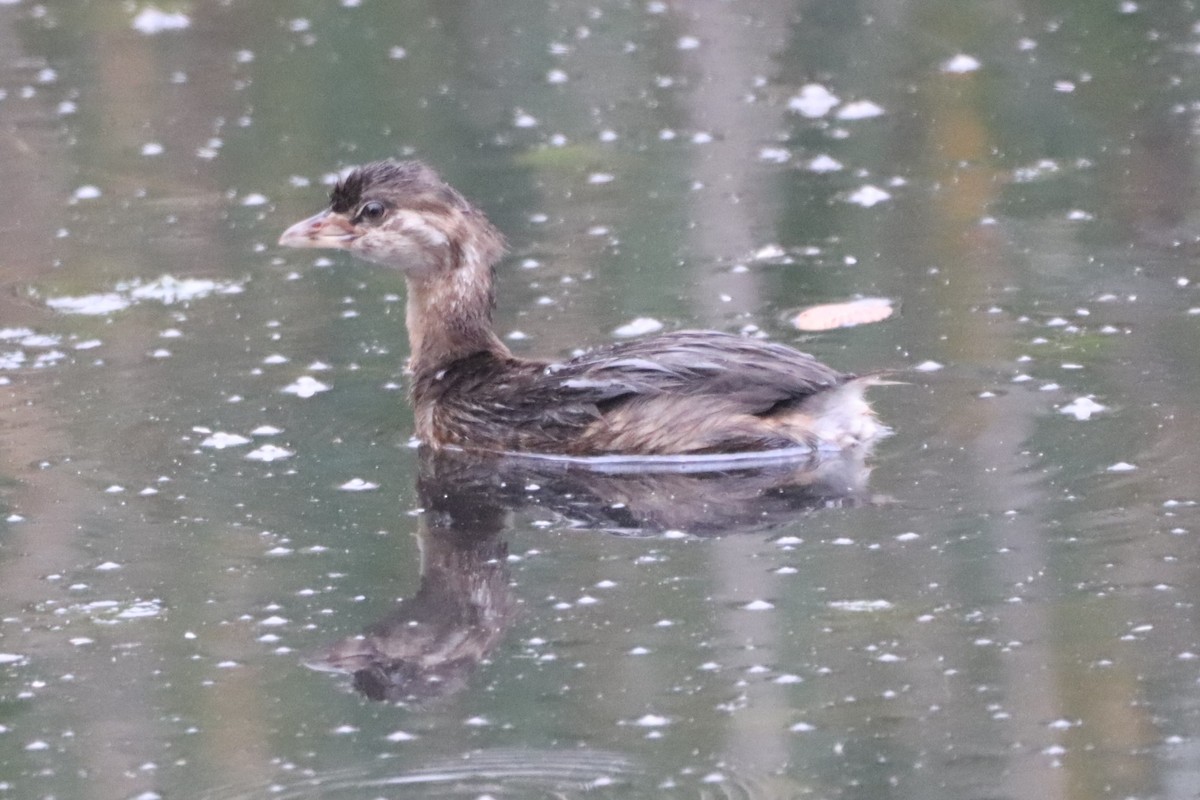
x=395, y=181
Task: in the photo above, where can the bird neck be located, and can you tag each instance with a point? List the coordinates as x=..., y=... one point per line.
x=449, y=313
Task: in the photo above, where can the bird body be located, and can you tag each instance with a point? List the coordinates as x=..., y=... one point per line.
x=681, y=393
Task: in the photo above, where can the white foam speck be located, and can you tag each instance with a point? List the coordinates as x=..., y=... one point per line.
x=400, y=736
x=87, y=192
x=358, y=485
x=305, y=386
x=170, y=290
x=268, y=453
x=11, y=658
x=928, y=366
x=961, y=63
x=220, y=440
x=867, y=196
x=89, y=304
x=1082, y=408
x=107, y=566
x=652, y=721
x=774, y=155
x=1121, y=466
x=824, y=163
x=813, y=101
x=638, y=327
x=758, y=605
x=151, y=20
x=166, y=289
x=861, y=605
x=152, y=149
x=266, y=430
x=860, y=109
x=141, y=609
x=254, y=199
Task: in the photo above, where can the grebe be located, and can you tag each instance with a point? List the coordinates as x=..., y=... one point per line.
x=682, y=393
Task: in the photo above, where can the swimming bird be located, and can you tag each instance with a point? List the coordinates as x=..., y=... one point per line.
x=681, y=393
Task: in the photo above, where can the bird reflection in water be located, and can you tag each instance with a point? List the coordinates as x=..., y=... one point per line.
x=430, y=644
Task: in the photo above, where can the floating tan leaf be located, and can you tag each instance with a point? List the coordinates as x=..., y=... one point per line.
x=828, y=316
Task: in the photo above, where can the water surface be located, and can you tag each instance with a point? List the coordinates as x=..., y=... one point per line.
x=209, y=499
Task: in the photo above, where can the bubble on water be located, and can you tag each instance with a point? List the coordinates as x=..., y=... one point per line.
x=151, y=21
x=358, y=485
x=268, y=453
x=774, y=155
x=12, y=658
x=1082, y=408
x=758, y=605
x=961, y=63
x=94, y=304
x=768, y=252
x=868, y=196
x=152, y=149
x=859, y=606
x=652, y=721
x=639, y=326
x=1121, y=466
x=141, y=610
x=860, y=109
x=813, y=101
x=12, y=359
x=523, y=120
x=305, y=387
x=166, y=289
x=824, y=163
x=220, y=440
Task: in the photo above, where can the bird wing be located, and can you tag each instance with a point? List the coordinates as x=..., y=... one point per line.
x=757, y=375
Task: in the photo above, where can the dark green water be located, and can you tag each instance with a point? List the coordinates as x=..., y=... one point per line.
x=1007, y=609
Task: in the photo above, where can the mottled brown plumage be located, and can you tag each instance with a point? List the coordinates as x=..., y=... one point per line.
x=689, y=392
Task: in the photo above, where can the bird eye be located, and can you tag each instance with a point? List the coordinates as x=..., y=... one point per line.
x=372, y=211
